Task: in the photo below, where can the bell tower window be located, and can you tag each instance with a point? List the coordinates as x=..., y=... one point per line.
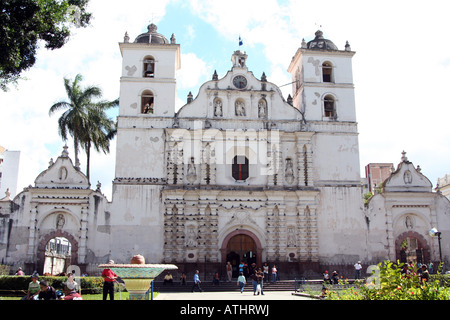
x=329, y=107
x=327, y=72
x=240, y=168
x=147, y=102
x=149, y=67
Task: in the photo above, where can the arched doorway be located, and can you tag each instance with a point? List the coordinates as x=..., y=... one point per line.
x=58, y=256
x=412, y=247
x=241, y=246
x=56, y=251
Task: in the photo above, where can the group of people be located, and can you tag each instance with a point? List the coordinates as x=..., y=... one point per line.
x=42, y=290
x=246, y=271
x=333, y=279
x=423, y=270
x=257, y=276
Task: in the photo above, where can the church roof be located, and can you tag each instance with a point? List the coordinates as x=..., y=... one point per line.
x=320, y=43
x=407, y=178
x=151, y=36
x=62, y=174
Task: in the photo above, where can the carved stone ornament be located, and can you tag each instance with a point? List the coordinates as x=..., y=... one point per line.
x=60, y=221
x=407, y=177
x=409, y=222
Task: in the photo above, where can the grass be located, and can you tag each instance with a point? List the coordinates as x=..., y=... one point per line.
x=99, y=296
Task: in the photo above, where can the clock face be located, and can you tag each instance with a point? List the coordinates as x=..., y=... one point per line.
x=240, y=82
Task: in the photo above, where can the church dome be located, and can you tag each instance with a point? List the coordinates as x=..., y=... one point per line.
x=320, y=43
x=151, y=36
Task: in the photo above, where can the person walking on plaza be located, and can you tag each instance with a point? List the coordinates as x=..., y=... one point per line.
x=241, y=281
x=109, y=278
x=196, y=282
x=260, y=281
x=358, y=268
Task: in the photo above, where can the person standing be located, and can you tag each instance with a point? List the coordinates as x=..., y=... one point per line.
x=274, y=274
x=20, y=272
x=425, y=275
x=229, y=271
x=241, y=267
x=109, y=278
x=197, y=282
x=266, y=272
x=358, y=268
x=183, y=279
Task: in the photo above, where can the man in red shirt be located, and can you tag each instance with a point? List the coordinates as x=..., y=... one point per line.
x=108, y=285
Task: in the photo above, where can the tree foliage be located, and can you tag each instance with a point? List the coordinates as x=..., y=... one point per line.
x=24, y=23
x=84, y=119
x=397, y=281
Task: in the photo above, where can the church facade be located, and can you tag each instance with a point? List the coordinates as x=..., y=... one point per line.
x=239, y=173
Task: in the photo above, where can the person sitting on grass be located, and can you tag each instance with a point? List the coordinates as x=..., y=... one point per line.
x=47, y=292
x=33, y=288
x=72, y=290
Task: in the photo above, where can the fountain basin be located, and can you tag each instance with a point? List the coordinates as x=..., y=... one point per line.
x=138, y=277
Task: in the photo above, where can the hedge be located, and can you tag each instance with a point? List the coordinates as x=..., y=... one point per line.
x=16, y=285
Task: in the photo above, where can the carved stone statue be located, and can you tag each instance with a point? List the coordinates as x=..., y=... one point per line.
x=218, y=108
x=191, y=174
x=289, y=171
x=240, y=108
x=60, y=221
x=191, y=238
x=262, y=108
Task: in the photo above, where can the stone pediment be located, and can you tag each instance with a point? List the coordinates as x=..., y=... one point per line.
x=239, y=95
x=62, y=174
x=407, y=178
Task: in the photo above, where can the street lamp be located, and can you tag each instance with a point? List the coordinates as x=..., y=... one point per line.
x=433, y=233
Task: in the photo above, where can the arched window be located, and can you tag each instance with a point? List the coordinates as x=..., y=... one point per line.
x=327, y=72
x=147, y=102
x=240, y=168
x=329, y=106
x=149, y=67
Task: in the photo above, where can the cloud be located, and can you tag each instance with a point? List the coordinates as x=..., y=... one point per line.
x=400, y=71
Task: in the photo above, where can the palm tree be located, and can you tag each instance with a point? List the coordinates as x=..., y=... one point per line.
x=100, y=130
x=83, y=119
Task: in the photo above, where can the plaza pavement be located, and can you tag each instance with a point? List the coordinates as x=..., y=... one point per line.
x=231, y=295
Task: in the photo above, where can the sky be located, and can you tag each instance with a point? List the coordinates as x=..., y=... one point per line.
x=401, y=70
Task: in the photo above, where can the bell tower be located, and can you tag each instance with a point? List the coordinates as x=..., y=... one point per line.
x=147, y=105
x=148, y=83
x=322, y=79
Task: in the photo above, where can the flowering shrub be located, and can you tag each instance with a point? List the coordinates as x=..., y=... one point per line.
x=396, y=281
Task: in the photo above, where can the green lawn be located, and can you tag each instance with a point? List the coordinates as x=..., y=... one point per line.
x=117, y=296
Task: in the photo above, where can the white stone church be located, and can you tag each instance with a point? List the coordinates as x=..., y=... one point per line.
x=239, y=173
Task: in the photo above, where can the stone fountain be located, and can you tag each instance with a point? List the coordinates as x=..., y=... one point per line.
x=137, y=275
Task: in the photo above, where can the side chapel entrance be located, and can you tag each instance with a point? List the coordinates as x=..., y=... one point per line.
x=412, y=247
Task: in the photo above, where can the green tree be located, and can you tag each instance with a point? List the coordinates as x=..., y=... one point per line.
x=84, y=120
x=100, y=130
x=23, y=23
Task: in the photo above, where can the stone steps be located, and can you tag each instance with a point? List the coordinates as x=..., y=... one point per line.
x=287, y=285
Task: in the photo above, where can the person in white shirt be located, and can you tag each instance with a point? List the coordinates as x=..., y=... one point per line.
x=358, y=268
